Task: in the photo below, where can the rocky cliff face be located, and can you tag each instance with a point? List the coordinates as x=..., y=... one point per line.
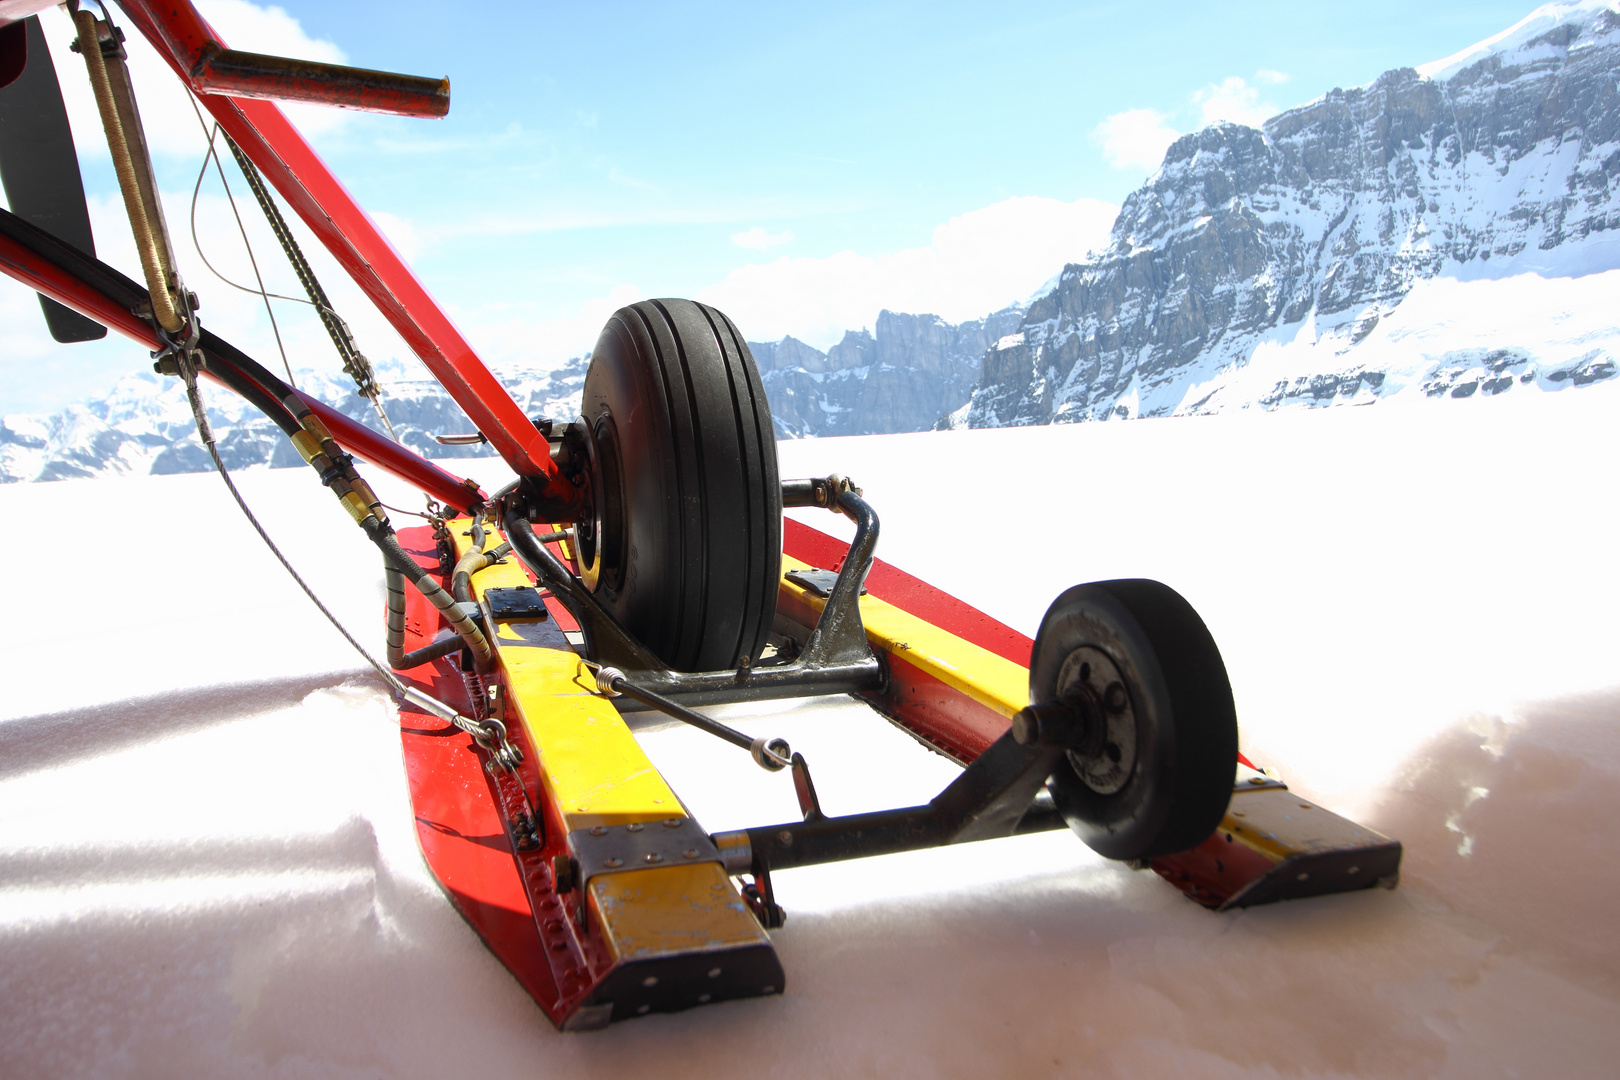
x=1311, y=232
x=902, y=377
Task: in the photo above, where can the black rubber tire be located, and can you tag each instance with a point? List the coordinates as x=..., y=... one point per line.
x=1185, y=722
x=685, y=545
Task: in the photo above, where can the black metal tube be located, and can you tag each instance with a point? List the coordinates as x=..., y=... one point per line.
x=765, y=683
x=442, y=647
x=799, y=493
x=680, y=712
x=989, y=799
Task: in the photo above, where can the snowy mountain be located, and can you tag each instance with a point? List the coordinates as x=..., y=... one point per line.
x=144, y=425
x=902, y=377
x=1444, y=231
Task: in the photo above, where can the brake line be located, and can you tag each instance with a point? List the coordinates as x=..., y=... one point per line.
x=178, y=328
x=354, y=362
x=264, y=295
x=490, y=733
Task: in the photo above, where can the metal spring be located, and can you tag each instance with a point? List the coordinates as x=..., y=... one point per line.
x=476, y=694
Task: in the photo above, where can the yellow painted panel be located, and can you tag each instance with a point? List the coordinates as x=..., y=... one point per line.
x=667, y=910
x=589, y=759
x=991, y=680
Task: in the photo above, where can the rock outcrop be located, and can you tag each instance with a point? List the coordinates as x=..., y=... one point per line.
x=1320, y=225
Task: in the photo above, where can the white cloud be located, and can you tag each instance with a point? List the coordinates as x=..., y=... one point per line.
x=166, y=113
x=1233, y=99
x=978, y=262
x=759, y=239
x=400, y=233
x=1135, y=138
x=517, y=341
x=1138, y=138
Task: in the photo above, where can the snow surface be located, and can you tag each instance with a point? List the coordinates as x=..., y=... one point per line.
x=208, y=864
x=1541, y=21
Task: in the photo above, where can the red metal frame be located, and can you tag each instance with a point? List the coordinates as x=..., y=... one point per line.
x=41, y=276
x=185, y=40
x=253, y=75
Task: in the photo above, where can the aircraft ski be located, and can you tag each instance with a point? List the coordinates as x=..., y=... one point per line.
x=614, y=903
x=642, y=560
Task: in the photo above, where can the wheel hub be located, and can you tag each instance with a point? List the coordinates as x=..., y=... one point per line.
x=1106, y=758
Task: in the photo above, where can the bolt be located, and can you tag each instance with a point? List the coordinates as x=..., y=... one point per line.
x=714, y=973
x=597, y=830
x=690, y=853
x=612, y=864
x=672, y=823
x=1115, y=699
x=704, y=999
x=655, y=857
x=650, y=981
x=1026, y=729
x=634, y=826
x=785, y=838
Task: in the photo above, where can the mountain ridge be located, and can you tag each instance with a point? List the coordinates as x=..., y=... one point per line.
x=1304, y=237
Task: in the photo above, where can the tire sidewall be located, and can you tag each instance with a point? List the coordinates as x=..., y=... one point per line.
x=1122, y=824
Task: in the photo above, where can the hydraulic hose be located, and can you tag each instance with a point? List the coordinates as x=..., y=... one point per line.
x=461, y=590
x=398, y=562
x=470, y=564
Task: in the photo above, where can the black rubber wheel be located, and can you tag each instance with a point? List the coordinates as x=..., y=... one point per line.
x=684, y=542
x=1160, y=778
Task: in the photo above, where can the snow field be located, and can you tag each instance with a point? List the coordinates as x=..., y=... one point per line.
x=208, y=865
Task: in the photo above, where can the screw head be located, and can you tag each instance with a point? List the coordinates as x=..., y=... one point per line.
x=650, y=981
x=1115, y=699
x=634, y=826
x=785, y=838
x=655, y=857
x=690, y=853
x=612, y=864
x=672, y=823
x=597, y=830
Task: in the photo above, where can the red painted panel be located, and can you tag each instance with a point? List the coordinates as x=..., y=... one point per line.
x=940, y=714
x=506, y=896
x=908, y=593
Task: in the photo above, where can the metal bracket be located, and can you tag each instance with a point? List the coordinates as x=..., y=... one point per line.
x=515, y=603
x=835, y=659
x=615, y=849
x=817, y=580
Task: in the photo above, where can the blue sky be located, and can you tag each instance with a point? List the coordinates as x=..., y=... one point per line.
x=800, y=166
